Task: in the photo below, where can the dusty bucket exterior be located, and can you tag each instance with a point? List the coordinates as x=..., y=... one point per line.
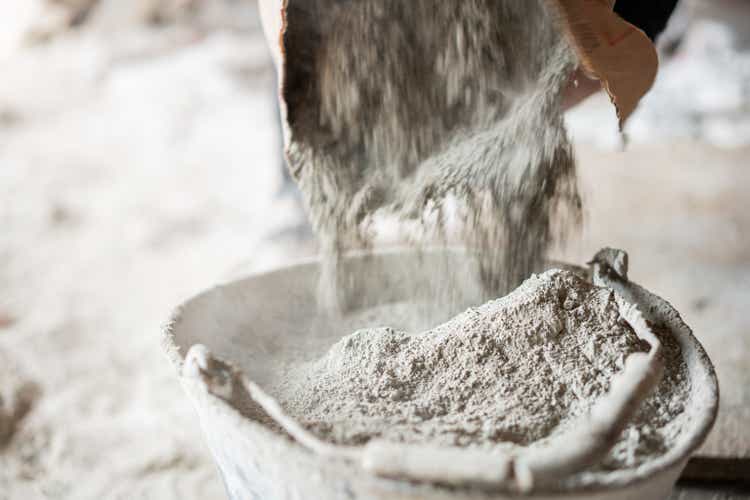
x=249, y=321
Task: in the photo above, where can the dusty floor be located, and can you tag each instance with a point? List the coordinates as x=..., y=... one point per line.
x=138, y=168
x=134, y=174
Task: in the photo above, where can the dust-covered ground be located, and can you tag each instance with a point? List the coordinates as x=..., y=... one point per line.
x=139, y=164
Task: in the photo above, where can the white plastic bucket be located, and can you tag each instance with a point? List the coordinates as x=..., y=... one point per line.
x=246, y=326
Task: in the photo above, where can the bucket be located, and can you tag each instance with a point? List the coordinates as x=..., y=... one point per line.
x=227, y=343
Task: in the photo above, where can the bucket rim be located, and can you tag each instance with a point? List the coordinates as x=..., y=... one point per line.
x=699, y=365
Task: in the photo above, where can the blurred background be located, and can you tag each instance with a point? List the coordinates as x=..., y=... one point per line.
x=140, y=163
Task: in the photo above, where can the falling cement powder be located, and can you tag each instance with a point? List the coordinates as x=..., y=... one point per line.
x=510, y=373
x=444, y=115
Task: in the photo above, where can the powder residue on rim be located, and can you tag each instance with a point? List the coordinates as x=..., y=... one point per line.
x=509, y=373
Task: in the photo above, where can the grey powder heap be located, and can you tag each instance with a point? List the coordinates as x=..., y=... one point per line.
x=509, y=373
x=443, y=115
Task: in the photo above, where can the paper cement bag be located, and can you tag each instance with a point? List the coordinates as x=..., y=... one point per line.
x=611, y=50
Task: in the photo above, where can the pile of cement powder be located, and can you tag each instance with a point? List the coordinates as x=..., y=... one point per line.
x=443, y=115
x=446, y=117
x=509, y=373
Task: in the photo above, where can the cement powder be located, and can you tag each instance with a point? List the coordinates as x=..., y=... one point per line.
x=509, y=373
x=444, y=116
